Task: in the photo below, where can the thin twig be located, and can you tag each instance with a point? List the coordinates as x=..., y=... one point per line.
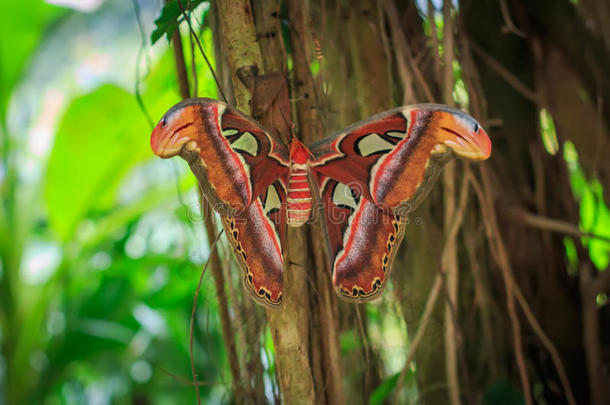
x=176, y=173
x=483, y=301
x=458, y=218
x=207, y=61
x=458, y=336
x=518, y=342
x=404, y=54
x=193, y=61
x=553, y=225
x=365, y=342
x=192, y=322
x=448, y=53
x=186, y=381
x=449, y=261
x=511, y=79
x=384, y=37
x=136, y=8
x=463, y=199
x=421, y=329
x=435, y=45
x=497, y=245
x=183, y=81
x=509, y=25
x=499, y=253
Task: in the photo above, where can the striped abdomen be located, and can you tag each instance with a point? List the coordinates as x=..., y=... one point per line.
x=299, y=196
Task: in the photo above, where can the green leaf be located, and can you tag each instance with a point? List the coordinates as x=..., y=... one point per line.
x=101, y=136
x=171, y=16
x=588, y=210
x=382, y=392
x=388, y=386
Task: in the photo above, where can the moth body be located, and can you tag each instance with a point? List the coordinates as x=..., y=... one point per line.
x=298, y=198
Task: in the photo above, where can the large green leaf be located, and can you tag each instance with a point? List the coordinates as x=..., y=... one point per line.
x=101, y=136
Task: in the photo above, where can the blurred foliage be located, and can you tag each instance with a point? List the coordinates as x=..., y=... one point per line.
x=96, y=298
x=111, y=117
x=27, y=21
x=594, y=212
x=102, y=249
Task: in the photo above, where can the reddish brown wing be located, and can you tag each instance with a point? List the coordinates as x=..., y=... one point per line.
x=243, y=171
x=361, y=240
x=257, y=236
x=234, y=159
x=265, y=157
x=349, y=156
x=392, y=157
x=369, y=177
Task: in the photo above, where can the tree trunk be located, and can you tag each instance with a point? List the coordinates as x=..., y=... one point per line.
x=289, y=325
x=488, y=329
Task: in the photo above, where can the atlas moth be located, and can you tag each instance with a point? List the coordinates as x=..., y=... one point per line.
x=364, y=179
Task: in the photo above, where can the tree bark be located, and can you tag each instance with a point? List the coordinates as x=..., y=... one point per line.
x=289, y=325
x=419, y=261
x=449, y=257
